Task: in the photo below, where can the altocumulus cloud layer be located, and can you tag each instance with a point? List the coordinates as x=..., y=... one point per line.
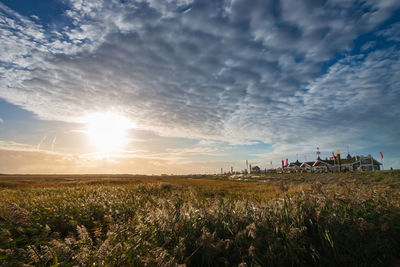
x=282, y=72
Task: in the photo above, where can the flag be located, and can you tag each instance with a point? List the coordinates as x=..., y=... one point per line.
x=381, y=155
x=271, y=163
x=287, y=161
x=334, y=157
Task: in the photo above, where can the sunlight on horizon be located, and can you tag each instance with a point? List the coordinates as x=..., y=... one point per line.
x=107, y=131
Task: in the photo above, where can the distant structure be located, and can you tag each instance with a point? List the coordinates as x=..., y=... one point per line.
x=318, y=153
x=255, y=169
x=334, y=164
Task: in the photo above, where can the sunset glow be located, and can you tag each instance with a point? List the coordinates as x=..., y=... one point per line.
x=107, y=131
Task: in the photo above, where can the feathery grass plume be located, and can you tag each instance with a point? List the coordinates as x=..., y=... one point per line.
x=61, y=249
x=84, y=235
x=11, y=212
x=204, y=222
x=33, y=254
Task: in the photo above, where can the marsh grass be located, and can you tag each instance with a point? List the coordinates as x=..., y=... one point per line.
x=203, y=222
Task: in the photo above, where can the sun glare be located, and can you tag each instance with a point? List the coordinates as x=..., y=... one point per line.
x=107, y=131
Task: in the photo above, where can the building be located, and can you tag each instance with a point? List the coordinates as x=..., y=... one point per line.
x=305, y=166
x=321, y=166
x=255, y=169
x=358, y=163
x=366, y=163
x=292, y=167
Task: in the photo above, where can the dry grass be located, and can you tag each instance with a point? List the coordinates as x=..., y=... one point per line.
x=302, y=220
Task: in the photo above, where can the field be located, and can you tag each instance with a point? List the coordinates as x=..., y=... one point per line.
x=349, y=219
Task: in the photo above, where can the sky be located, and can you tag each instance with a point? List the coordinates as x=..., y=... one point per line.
x=200, y=85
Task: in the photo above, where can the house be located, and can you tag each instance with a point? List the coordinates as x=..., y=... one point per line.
x=359, y=163
x=292, y=167
x=321, y=166
x=305, y=167
x=315, y=166
x=366, y=163
x=255, y=169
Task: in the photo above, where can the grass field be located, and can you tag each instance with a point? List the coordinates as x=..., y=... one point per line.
x=349, y=219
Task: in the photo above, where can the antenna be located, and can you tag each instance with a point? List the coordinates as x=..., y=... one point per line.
x=318, y=153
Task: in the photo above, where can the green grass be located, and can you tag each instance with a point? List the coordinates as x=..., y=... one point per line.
x=271, y=220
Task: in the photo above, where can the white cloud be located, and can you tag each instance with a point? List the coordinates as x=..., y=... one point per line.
x=22, y=158
x=14, y=146
x=392, y=33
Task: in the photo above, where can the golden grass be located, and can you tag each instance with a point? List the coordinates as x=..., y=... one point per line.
x=125, y=220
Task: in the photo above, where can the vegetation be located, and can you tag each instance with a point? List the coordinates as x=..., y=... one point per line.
x=290, y=220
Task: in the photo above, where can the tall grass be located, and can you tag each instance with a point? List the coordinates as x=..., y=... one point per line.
x=165, y=224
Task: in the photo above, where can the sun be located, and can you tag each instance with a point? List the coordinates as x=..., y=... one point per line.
x=107, y=131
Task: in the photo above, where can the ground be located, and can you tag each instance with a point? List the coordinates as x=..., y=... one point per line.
x=217, y=220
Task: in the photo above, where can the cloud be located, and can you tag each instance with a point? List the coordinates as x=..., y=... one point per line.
x=15, y=146
x=221, y=70
x=208, y=151
x=359, y=92
x=22, y=158
x=368, y=46
x=392, y=33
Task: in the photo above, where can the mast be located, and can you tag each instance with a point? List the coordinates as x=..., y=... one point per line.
x=318, y=153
